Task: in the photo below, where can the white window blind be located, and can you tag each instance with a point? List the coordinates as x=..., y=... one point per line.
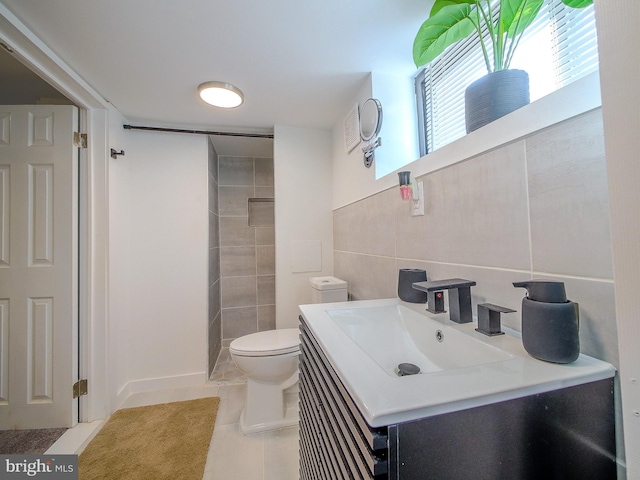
x=558, y=48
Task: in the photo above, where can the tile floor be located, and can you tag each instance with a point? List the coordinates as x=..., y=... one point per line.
x=232, y=456
x=263, y=456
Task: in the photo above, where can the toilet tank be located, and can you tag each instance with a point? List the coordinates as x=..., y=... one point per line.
x=328, y=289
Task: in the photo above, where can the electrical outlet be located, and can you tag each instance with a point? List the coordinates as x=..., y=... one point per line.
x=417, y=206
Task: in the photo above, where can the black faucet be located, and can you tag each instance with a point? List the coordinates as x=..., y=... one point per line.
x=489, y=318
x=459, y=297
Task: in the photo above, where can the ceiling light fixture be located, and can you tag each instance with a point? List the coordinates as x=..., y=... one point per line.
x=221, y=94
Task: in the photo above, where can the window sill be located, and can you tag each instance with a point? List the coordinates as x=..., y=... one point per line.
x=576, y=98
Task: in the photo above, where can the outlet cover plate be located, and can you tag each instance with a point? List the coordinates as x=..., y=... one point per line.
x=417, y=206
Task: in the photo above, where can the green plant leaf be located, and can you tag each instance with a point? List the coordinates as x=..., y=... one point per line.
x=577, y=3
x=517, y=15
x=449, y=25
x=437, y=6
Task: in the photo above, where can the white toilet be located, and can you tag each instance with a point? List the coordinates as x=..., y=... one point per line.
x=269, y=359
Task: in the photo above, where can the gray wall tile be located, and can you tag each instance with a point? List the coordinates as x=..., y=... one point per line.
x=236, y=171
x=265, y=236
x=236, y=232
x=476, y=211
x=214, y=300
x=237, y=261
x=371, y=225
x=213, y=194
x=264, y=172
x=266, y=289
x=341, y=227
x=213, y=160
x=266, y=259
x=342, y=267
x=266, y=317
x=234, y=200
x=237, y=322
x=214, y=265
x=264, y=192
x=214, y=230
x=372, y=277
x=215, y=341
x=570, y=229
x=411, y=232
x=238, y=291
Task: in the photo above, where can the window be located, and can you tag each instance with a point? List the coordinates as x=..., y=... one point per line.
x=558, y=48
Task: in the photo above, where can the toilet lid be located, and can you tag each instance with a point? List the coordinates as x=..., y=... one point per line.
x=269, y=342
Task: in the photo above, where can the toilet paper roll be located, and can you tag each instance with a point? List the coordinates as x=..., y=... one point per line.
x=406, y=278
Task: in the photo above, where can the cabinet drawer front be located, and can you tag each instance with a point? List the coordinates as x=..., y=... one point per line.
x=335, y=440
x=317, y=458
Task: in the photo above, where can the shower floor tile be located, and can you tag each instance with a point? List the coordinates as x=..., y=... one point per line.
x=225, y=372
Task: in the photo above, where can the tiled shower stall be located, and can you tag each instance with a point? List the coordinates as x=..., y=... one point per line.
x=242, y=249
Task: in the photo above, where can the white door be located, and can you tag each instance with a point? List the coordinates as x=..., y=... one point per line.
x=38, y=266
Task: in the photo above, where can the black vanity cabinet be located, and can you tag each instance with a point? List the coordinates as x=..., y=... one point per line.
x=335, y=441
x=563, y=434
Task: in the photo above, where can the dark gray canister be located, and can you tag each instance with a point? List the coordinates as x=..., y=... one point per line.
x=549, y=322
x=494, y=96
x=406, y=278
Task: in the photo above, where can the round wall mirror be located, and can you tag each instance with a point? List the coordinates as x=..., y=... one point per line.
x=370, y=119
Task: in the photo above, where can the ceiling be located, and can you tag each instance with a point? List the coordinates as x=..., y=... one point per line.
x=298, y=63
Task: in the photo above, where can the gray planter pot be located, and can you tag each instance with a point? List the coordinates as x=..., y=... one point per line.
x=495, y=95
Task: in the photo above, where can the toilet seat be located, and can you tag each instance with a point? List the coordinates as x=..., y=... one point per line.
x=267, y=343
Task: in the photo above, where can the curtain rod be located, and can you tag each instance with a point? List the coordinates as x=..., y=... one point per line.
x=198, y=132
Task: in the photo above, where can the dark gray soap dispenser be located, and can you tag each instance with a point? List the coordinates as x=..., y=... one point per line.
x=549, y=322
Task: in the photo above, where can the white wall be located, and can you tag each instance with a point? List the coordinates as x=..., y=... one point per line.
x=302, y=177
x=399, y=131
x=618, y=40
x=351, y=179
x=399, y=141
x=158, y=260
x=118, y=258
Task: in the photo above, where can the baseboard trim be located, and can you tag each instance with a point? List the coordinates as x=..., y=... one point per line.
x=160, y=383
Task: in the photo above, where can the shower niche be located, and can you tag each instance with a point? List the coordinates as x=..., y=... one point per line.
x=261, y=212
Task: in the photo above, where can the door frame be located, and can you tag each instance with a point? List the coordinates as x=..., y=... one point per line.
x=93, y=341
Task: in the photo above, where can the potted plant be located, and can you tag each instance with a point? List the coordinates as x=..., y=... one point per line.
x=502, y=90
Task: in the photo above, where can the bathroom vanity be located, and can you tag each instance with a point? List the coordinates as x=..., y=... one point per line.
x=479, y=409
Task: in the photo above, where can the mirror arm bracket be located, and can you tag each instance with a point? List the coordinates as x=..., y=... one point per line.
x=369, y=151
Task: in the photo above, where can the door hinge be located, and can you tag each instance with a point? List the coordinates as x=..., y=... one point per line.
x=80, y=139
x=80, y=388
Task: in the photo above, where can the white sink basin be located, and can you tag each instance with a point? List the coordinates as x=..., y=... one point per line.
x=366, y=340
x=395, y=334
